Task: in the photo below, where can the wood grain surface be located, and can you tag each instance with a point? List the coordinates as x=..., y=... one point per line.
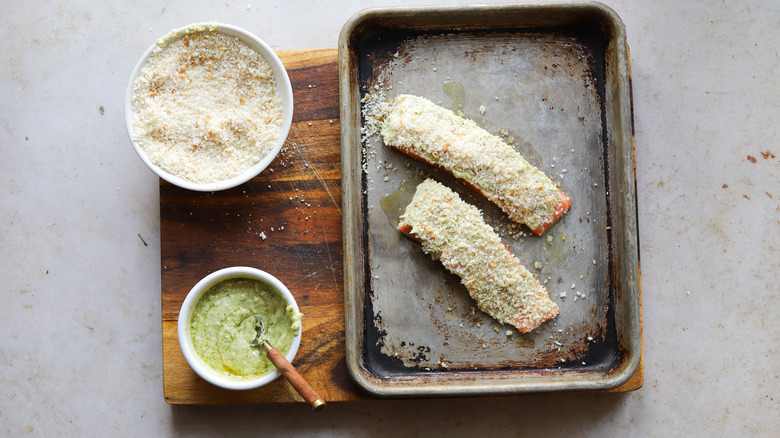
x=296, y=205
x=287, y=222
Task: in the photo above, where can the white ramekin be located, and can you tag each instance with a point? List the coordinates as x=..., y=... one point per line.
x=185, y=318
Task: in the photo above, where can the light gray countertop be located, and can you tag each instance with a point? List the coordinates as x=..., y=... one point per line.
x=80, y=342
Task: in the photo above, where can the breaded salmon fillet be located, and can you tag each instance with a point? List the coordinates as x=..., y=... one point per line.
x=435, y=135
x=455, y=233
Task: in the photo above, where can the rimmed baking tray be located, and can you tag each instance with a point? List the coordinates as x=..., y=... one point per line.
x=553, y=81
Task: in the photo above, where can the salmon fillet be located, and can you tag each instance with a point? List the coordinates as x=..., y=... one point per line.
x=435, y=135
x=455, y=233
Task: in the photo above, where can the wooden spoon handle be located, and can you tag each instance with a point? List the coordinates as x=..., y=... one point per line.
x=296, y=380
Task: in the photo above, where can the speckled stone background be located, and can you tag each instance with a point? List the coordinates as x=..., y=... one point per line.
x=80, y=347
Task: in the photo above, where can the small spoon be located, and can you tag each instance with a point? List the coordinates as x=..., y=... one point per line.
x=285, y=367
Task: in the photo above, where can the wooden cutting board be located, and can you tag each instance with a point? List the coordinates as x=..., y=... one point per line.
x=287, y=221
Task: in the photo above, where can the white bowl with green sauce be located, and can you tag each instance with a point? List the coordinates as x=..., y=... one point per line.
x=217, y=324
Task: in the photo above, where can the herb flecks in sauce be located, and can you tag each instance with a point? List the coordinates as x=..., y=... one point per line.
x=223, y=325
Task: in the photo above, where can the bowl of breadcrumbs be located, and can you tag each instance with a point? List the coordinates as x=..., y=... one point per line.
x=208, y=106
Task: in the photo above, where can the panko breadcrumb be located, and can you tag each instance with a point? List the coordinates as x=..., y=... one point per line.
x=206, y=107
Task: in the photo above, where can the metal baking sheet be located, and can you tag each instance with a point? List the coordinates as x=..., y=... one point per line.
x=553, y=81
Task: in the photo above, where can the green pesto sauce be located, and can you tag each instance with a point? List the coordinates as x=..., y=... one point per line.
x=223, y=325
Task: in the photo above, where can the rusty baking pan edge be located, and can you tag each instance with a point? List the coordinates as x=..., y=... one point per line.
x=622, y=225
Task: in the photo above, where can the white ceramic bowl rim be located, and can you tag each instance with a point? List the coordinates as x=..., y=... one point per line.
x=283, y=85
x=185, y=316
